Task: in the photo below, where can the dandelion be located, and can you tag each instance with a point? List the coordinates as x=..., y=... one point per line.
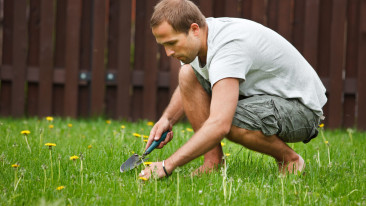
x=50, y=119
x=69, y=125
x=326, y=142
x=50, y=145
x=26, y=133
x=321, y=125
x=90, y=146
x=51, y=126
x=227, y=154
x=145, y=136
x=123, y=127
x=136, y=135
x=108, y=121
x=222, y=144
x=143, y=178
x=150, y=123
x=189, y=129
x=60, y=188
x=74, y=157
x=145, y=140
x=147, y=163
x=16, y=165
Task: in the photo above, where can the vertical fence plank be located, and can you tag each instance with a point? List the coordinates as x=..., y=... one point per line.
x=139, y=63
x=272, y=14
x=124, y=78
x=299, y=25
x=46, y=58
x=150, y=70
x=361, y=83
x=349, y=104
x=73, y=21
x=98, y=74
x=19, y=58
x=246, y=9
x=206, y=7
x=7, y=57
x=311, y=32
x=232, y=8
x=259, y=10
x=285, y=18
x=337, y=51
x=33, y=54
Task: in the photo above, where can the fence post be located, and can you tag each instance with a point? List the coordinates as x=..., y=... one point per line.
x=361, y=83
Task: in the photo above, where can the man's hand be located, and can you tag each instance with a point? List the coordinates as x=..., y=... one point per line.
x=159, y=128
x=155, y=169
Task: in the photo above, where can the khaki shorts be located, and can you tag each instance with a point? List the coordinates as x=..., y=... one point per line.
x=289, y=119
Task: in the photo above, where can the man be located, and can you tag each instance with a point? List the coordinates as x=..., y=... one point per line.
x=238, y=80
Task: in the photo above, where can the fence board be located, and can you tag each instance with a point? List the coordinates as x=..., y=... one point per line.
x=98, y=74
x=337, y=63
x=311, y=32
x=46, y=58
x=150, y=72
x=349, y=104
x=206, y=7
x=299, y=27
x=232, y=8
x=272, y=14
x=259, y=10
x=19, y=58
x=124, y=78
x=73, y=22
x=246, y=9
x=361, y=83
x=284, y=18
x=7, y=56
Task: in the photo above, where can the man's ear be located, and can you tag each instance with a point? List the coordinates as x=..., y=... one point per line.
x=195, y=28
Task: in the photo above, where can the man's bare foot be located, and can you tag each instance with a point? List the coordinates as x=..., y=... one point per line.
x=292, y=167
x=206, y=168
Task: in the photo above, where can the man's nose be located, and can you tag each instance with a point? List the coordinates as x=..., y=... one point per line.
x=169, y=52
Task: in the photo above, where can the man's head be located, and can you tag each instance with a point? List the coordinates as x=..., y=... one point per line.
x=180, y=14
x=181, y=28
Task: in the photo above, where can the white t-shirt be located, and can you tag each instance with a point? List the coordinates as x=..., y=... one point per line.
x=264, y=61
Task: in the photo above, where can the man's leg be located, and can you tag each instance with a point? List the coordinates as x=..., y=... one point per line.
x=287, y=158
x=196, y=103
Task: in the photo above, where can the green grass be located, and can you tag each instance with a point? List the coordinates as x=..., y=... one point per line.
x=250, y=179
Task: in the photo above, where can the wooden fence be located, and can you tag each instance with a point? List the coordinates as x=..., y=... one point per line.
x=82, y=58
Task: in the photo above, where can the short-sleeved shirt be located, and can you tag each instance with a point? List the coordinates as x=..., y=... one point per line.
x=263, y=61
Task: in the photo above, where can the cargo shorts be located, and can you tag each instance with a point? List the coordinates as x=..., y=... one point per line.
x=289, y=119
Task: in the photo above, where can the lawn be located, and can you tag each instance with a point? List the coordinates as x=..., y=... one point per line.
x=32, y=173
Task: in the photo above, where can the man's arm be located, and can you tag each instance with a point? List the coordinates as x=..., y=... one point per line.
x=223, y=105
x=171, y=115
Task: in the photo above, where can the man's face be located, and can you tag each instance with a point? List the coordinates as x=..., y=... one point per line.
x=181, y=46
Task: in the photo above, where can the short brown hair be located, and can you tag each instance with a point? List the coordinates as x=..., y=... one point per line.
x=180, y=14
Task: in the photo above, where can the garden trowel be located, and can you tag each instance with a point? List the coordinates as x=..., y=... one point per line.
x=136, y=159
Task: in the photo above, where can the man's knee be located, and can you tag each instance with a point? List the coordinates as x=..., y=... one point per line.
x=186, y=75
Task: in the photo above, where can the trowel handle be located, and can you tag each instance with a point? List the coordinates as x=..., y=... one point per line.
x=155, y=144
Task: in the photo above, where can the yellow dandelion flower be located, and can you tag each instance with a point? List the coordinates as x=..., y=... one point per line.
x=50, y=119
x=51, y=126
x=90, y=146
x=123, y=126
x=326, y=142
x=60, y=188
x=227, y=154
x=74, y=157
x=143, y=178
x=150, y=123
x=15, y=165
x=136, y=135
x=147, y=163
x=133, y=152
x=108, y=121
x=145, y=140
x=26, y=132
x=50, y=144
x=145, y=136
x=69, y=125
x=182, y=131
x=189, y=129
x=222, y=144
x=321, y=125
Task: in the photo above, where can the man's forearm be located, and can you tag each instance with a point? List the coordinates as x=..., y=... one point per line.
x=175, y=110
